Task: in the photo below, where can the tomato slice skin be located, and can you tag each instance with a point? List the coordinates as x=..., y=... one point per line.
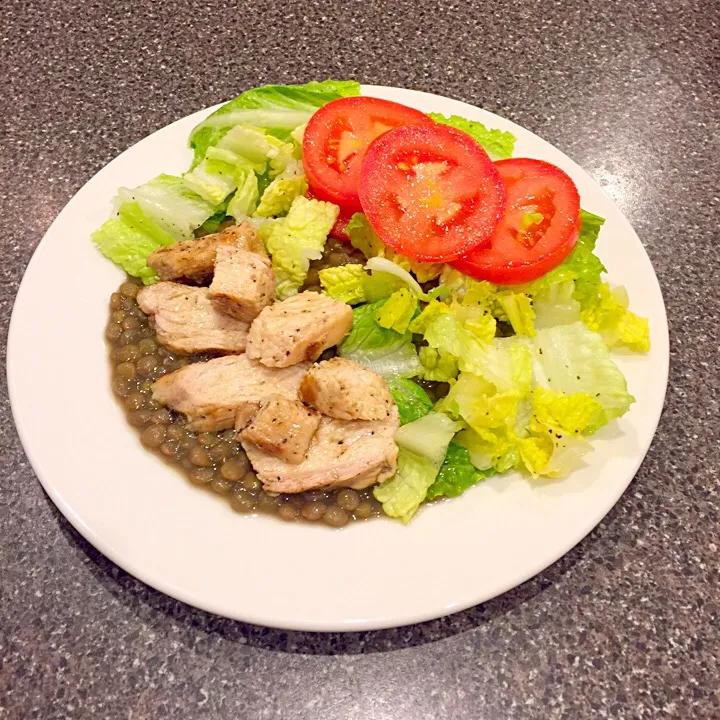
x=431, y=192
x=519, y=253
x=339, y=229
x=337, y=137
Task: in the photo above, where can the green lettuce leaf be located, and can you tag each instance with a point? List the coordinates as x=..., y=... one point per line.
x=280, y=194
x=497, y=143
x=556, y=305
x=344, y=283
x=572, y=359
x=411, y=400
x=127, y=247
x=618, y=325
x=158, y=213
x=457, y=474
x=245, y=200
x=397, y=311
x=565, y=413
x=298, y=238
x=279, y=109
x=364, y=238
x=423, y=446
x=169, y=205
x=386, y=352
x=438, y=365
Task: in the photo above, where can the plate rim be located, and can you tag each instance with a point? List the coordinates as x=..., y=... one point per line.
x=350, y=625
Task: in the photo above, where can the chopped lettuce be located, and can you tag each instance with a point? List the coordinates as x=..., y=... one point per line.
x=351, y=284
x=572, y=291
x=344, y=283
x=556, y=305
x=517, y=307
x=618, y=325
x=158, y=213
x=572, y=359
x=298, y=238
x=411, y=400
x=364, y=238
x=497, y=143
x=383, y=265
x=531, y=402
x=438, y=365
x=431, y=311
x=457, y=474
x=128, y=247
x=397, y=311
x=166, y=202
x=423, y=446
x=279, y=109
x=573, y=413
x=245, y=200
x=386, y=352
x=280, y=194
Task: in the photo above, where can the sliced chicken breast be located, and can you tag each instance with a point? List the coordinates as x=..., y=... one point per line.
x=193, y=261
x=212, y=394
x=298, y=329
x=243, y=283
x=342, y=453
x=345, y=390
x=282, y=428
x=186, y=320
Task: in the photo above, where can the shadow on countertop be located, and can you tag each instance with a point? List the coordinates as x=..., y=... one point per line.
x=156, y=609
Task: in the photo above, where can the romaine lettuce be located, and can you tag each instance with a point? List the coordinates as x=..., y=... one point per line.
x=423, y=446
x=411, y=400
x=386, y=352
x=497, y=143
x=397, y=311
x=158, y=213
x=457, y=474
x=298, y=238
x=280, y=194
x=344, y=283
x=571, y=359
x=364, y=238
x=279, y=109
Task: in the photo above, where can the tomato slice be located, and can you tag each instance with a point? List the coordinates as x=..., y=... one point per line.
x=431, y=192
x=335, y=141
x=339, y=229
x=539, y=229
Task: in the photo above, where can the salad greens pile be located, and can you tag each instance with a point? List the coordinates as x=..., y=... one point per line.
x=528, y=367
x=247, y=162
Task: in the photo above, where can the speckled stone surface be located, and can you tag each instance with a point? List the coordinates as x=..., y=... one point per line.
x=627, y=625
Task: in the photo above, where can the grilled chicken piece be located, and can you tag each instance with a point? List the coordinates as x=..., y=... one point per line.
x=212, y=394
x=193, y=261
x=186, y=320
x=282, y=428
x=345, y=390
x=243, y=283
x=298, y=329
x=342, y=453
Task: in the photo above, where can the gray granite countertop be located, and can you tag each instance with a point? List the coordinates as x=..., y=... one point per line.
x=627, y=625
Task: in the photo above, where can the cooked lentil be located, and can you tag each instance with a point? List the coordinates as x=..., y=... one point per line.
x=214, y=460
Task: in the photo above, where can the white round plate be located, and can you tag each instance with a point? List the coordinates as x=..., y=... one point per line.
x=189, y=544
